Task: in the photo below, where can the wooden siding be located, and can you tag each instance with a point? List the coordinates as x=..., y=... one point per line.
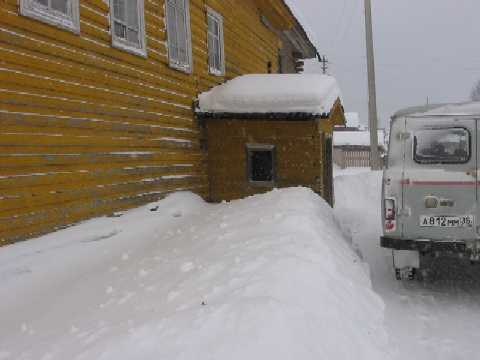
x=299, y=155
x=87, y=129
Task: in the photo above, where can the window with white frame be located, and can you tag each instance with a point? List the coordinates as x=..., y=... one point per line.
x=178, y=34
x=216, y=62
x=128, y=26
x=61, y=13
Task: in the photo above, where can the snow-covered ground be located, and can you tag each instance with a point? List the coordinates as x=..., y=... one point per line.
x=274, y=276
x=268, y=277
x=434, y=320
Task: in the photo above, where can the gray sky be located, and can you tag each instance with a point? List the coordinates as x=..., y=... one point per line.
x=422, y=48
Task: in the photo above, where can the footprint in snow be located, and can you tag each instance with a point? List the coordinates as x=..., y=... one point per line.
x=172, y=295
x=188, y=266
x=177, y=214
x=142, y=273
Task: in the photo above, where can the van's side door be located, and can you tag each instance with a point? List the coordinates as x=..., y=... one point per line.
x=440, y=179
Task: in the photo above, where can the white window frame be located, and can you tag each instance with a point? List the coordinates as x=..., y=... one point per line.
x=122, y=43
x=218, y=18
x=176, y=63
x=37, y=11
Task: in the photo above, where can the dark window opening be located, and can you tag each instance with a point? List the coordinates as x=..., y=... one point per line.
x=261, y=163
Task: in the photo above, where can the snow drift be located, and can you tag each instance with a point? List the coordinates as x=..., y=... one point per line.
x=267, y=277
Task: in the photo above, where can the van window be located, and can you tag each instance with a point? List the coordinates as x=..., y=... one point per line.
x=442, y=146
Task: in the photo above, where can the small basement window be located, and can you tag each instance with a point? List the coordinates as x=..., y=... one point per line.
x=261, y=164
x=128, y=29
x=61, y=13
x=216, y=62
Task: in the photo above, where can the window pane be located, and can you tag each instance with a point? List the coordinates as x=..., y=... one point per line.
x=211, y=26
x=441, y=146
x=180, y=4
x=120, y=30
x=132, y=36
x=172, y=32
x=182, y=37
x=214, y=43
x=119, y=9
x=42, y=2
x=60, y=5
x=211, y=53
x=261, y=165
x=132, y=14
x=217, y=55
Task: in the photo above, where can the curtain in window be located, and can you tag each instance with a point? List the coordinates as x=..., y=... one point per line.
x=215, y=44
x=57, y=5
x=126, y=20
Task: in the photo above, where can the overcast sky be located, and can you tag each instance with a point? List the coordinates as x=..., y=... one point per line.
x=423, y=48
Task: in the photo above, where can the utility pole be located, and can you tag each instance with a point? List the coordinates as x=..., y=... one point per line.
x=372, y=92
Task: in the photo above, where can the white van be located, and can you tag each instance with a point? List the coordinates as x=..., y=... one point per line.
x=431, y=185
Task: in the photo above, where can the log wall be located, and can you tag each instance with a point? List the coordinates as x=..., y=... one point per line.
x=299, y=153
x=87, y=129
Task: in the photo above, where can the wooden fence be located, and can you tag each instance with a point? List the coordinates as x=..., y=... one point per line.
x=352, y=158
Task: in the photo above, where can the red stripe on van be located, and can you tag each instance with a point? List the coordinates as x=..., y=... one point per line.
x=444, y=183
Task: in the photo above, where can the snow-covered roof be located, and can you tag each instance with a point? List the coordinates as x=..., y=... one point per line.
x=272, y=93
x=470, y=108
x=356, y=138
x=299, y=15
x=466, y=108
x=352, y=119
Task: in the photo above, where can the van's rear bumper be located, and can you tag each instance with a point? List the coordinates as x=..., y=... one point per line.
x=428, y=245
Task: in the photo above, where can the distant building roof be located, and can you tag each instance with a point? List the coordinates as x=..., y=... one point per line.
x=352, y=120
x=272, y=93
x=356, y=138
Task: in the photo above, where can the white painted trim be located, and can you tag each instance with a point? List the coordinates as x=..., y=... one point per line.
x=219, y=18
x=125, y=45
x=33, y=9
x=175, y=64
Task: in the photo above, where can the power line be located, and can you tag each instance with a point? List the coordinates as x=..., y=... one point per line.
x=348, y=23
x=339, y=24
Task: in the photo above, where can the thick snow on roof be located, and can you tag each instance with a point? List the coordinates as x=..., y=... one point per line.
x=353, y=119
x=470, y=108
x=272, y=93
x=361, y=138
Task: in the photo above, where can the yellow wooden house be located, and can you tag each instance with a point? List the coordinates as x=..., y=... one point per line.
x=96, y=98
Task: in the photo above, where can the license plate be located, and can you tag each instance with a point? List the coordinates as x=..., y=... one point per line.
x=446, y=221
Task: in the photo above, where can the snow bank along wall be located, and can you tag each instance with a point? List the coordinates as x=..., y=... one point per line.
x=88, y=129
x=301, y=150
